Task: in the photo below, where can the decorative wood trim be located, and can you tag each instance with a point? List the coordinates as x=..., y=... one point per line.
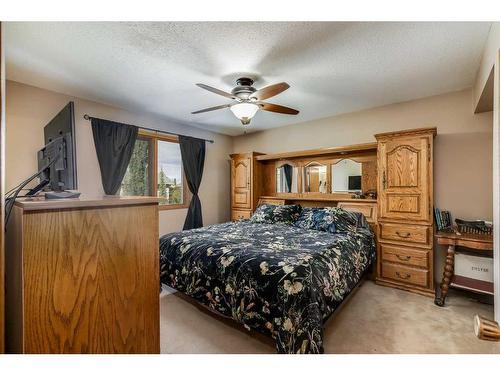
x=322, y=199
x=41, y=204
x=167, y=207
x=409, y=132
x=414, y=289
x=320, y=152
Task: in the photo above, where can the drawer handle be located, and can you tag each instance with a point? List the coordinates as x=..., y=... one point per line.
x=404, y=258
x=403, y=235
x=405, y=277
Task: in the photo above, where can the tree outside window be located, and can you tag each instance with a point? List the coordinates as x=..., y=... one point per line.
x=166, y=180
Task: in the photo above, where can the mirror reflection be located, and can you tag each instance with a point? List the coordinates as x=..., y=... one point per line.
x=346, y=176
x=286, y=179
x=315, y=180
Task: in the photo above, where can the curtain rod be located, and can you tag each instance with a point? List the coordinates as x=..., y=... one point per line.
x=87, y=117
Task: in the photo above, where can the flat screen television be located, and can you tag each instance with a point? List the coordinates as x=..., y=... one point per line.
x=59, y=152
x=354, y=183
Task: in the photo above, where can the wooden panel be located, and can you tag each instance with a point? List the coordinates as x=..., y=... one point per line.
x=14, y=283
x=241, y=176
x=404, y=255
x=405, y=233
x=402, y=166
x=240, y=214
x=84, y=201
x=242, y=173
x=268, y=178
x=270, y=200
x=405, y=181
x=91, y=285
x=403, y=204
x=369, y=176
x=363, y=147
x=369, y=210
x=407, y=275
x=241, y=198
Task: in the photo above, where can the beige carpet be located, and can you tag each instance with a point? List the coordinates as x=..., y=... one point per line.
x=375, y=320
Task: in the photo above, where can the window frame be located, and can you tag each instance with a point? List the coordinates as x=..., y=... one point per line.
x=153, y=138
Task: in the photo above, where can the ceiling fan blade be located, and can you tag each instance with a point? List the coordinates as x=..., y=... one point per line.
x=211, y=108
x=270, y=91
x=278, y=108
x=216, y=91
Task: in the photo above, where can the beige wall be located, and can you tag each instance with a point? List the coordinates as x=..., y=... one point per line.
x=463, y=147
x=488, y=59
x=28, y=110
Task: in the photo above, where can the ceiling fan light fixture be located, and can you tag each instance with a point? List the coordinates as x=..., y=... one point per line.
x=244, y=111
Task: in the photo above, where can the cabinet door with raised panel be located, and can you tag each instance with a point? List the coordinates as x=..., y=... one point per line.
x=404, y=178
x=241, y=174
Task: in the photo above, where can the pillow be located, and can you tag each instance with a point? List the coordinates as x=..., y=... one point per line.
x=345, y=221
x=272, y=214
x=328, y=219
x=361, y=221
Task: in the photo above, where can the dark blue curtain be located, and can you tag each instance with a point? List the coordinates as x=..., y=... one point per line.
x=193, y=160
x=288, y=169
x=114, y=144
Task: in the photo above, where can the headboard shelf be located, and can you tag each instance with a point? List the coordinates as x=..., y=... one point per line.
x=340, y=150
x=294, y=197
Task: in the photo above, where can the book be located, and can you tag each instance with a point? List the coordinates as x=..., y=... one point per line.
x=442, y=219
x=437, y=217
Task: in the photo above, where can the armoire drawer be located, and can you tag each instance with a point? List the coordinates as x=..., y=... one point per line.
x=240, y=214
x=404, y=255
x=417, y=234
x=407, y=275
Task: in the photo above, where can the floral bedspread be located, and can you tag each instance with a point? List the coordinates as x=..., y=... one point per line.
x=277, y=279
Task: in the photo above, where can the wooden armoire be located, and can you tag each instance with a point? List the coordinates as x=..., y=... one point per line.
x=245, y=185
x=405, y=206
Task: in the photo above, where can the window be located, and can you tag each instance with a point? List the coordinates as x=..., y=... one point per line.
x=155, y=168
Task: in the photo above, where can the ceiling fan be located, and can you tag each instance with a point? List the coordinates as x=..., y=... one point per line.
x=248, y=100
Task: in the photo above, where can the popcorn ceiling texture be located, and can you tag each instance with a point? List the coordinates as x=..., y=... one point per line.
x=332, y=67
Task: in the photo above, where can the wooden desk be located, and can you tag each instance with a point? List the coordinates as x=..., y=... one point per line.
x=83, y=276
x=480, y=243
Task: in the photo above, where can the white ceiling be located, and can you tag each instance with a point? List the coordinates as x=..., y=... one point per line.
x=332, y=67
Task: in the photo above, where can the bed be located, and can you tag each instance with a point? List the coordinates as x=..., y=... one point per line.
x=277, y=279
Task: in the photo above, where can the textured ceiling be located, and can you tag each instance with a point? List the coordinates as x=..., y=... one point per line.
x=332, y=67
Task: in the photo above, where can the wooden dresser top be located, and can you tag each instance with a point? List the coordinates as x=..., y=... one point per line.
x=40, y=203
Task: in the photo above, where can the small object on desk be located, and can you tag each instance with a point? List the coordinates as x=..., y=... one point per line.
x=65, y=194
x=480, y=243
x=475, y=226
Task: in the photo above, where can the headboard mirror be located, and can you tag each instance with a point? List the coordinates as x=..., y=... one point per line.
x=346, y=176
x=287, y=178
x=316, y=178
x=336, y=173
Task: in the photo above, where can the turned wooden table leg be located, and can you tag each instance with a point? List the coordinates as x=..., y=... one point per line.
x=447, y=275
